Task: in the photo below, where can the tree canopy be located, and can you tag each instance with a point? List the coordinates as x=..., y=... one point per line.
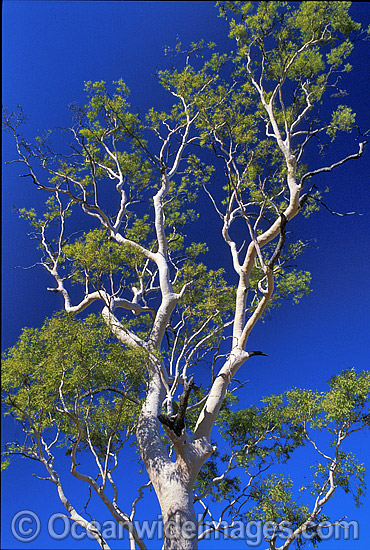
x=155, y=362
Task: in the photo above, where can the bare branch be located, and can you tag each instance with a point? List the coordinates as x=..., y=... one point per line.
x=335, y=165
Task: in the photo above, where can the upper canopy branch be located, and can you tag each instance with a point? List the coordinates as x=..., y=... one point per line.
x=335, y=165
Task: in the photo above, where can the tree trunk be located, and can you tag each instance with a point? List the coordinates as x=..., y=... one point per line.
x=175, y=497
x=173, y=482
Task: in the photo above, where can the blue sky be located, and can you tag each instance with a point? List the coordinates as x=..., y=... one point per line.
x=49, y=49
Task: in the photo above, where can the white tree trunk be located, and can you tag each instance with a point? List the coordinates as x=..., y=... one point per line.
x=176, y=501
x=173, y=481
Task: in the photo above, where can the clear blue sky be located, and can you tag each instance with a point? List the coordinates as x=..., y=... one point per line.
x=49, y=49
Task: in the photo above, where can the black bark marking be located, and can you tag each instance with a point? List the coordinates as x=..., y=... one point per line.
x=176, y=423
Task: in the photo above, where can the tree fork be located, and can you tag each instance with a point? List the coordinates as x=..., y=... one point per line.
x=176, y=423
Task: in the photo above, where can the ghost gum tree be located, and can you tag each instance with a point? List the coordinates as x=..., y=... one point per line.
x=132, y=369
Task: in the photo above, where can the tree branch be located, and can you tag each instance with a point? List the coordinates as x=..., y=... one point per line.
x=335, y=165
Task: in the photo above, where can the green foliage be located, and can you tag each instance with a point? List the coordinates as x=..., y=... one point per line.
x=263, y=437
x=298, y=42
x=95, y=255
x=51, y=214
x=4, y=464
x=71, y=380
x=348, y=397
x=205, y=308
x=58, y=376
x=107, y=120
x=274, y=502
x=342, y=119
x=260, y=434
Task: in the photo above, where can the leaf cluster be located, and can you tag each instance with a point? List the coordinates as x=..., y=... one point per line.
x=262, y=437
x=302, y=48
x=71, y=375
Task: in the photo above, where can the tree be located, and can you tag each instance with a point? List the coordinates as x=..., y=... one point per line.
x=94, y=383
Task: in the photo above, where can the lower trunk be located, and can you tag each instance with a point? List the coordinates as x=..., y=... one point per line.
x=173, y=482
x=180, y=528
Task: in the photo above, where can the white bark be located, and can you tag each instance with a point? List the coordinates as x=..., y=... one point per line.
x=173, y=481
